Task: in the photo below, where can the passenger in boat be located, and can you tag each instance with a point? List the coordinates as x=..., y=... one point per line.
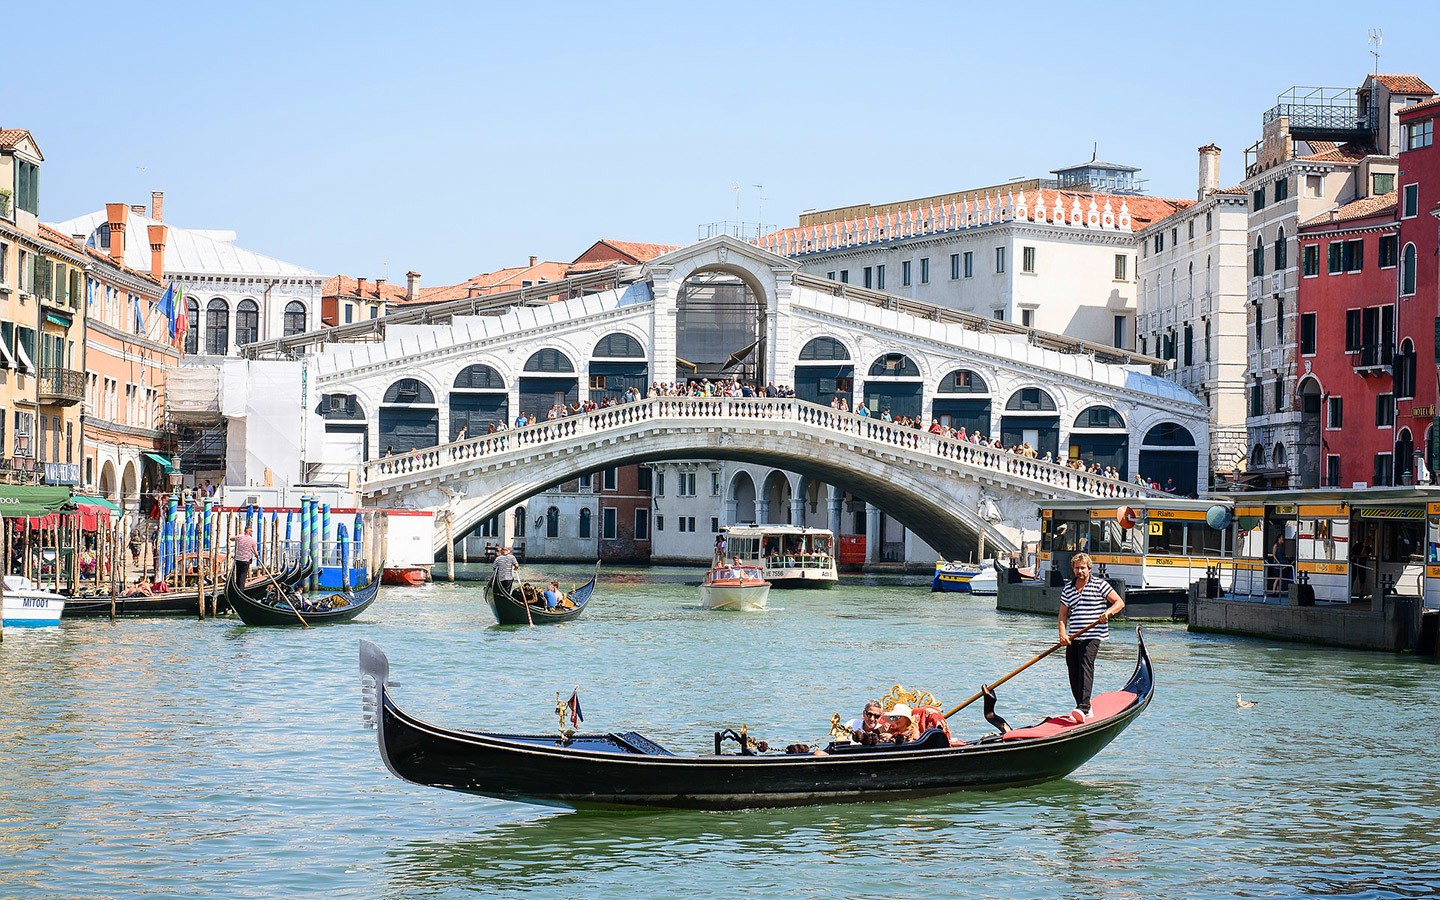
x=928, y=717
x=552, y=595
x=870, y=727
x=901, y=723
x=1085, y=601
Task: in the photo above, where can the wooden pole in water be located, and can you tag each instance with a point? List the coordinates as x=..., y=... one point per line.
x=449, y=547
x=214, y=553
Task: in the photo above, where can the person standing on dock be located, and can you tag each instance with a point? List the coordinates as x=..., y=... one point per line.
x=506, y=567
x=1085, y=601
x=244, y=554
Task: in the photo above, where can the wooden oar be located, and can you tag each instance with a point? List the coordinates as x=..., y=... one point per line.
x=261, y=566
x=994, y=684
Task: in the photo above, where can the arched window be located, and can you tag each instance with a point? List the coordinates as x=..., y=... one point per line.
x=1282, y=252
x=1190, y=281
x=519, y=521
x=1173, y=434
x=1257, y=457
x=823, y=348
x=247, y=322
x=1278, y=457
x=1030, y=400
x=1257, y=265
x=192, y=326
x=963, y=381
x=217, y=327
x=409, y=392
x=549, y=360
x=584, y=523
x=1099, y=417
x=1404, y=455
x=1407, y=270
x=552, y=522
x=294, y=317
x=894, y=365
x=1404, y=371
x=619, y=346
x=479, y=378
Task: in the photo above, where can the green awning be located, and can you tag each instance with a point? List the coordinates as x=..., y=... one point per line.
x=31, y=500
x=96, y=501
x=57, y=319
x=162, y=460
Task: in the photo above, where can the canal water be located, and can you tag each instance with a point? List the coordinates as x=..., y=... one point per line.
x=164, y=758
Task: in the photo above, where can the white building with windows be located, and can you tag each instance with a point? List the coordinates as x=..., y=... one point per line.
x=233, y=296
x=1061, y=261
x=1192, y=305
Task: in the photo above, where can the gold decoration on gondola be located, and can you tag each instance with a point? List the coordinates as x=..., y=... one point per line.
x=838, y=731
x=912, y=699
x=562, y=709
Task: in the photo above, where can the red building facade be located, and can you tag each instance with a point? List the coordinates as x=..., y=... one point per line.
x=1418, y=276
x=1347, y=351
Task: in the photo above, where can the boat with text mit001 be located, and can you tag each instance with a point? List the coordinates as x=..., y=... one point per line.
x=786, y=555
x=627, y=769
x=23, y=605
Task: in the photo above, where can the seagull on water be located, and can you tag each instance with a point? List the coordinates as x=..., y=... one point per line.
x=1242, y=703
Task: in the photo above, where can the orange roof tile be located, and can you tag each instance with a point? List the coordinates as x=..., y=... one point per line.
x=1363, y=208
x=9, y=137
x=344, y=285
x=1404, y=84
x=1330, y=152
x=641, y=252
x=496, y=282
x=102, y=256
x=1425, y=105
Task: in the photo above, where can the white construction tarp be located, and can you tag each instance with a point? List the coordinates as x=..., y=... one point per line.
x=192, y=394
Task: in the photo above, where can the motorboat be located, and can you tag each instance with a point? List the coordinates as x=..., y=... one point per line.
x=26, y=606
x=734, y=587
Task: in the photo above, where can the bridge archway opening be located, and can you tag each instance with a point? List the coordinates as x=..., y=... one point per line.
x=1101, y=438
x=409, y=417
x=894, y=383
x=777, y=499
x=548, y=381
x=478, y=399
x=720, y=327
x=1031, y=417
x=617, y=364
x=1168, y=456
x=825, y=372
x=963, y=401
x=742, y=497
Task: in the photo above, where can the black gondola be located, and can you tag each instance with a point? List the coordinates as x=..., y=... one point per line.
x=177, y=603
x=511, y=609
x=257, y=605
x=626, y=769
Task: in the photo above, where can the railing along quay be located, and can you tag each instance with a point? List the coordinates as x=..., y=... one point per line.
x=866, y=431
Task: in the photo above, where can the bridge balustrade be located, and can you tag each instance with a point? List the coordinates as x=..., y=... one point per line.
x=571, y=428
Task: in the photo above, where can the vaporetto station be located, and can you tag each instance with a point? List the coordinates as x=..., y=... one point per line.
x=401, y=408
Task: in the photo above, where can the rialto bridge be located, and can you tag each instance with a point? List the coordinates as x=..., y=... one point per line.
x=410, y=414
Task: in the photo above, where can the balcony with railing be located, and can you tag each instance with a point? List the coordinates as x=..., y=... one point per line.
x=1324, y=114
x=1374, y=358
x=60, y=387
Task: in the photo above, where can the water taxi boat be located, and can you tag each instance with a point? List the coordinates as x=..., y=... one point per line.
x=627, y=769
x=23, y=605
x=735, y=588
x=786, y=555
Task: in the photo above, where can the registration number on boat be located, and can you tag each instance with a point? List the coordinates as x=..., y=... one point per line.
x=34, y=602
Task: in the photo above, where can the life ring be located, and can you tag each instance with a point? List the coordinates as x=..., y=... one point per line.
x=1127, y=517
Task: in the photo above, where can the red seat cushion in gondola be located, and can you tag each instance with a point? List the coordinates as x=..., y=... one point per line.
x=1102, y=707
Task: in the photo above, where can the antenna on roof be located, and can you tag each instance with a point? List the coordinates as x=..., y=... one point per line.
x=1095, y=152
x=760, y=212
x=1377, y=37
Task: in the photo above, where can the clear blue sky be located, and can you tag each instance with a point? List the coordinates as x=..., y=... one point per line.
x=453, y=139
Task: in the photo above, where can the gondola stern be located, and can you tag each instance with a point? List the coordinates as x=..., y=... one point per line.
x=375, y=700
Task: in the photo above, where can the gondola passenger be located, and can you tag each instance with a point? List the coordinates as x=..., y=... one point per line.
x=552, y=595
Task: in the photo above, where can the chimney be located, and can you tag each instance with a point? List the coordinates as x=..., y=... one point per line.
x=138, y=208
x=412, y=285
x=157, y=251
x=157, y=205
x=1209, y=171
x=379, y=294
x=360, y=287
x=115, y=218
x=471, y=292
x=532, y=261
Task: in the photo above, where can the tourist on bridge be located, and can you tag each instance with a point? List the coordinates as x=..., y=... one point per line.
x=1083, y=602
x=506, y=568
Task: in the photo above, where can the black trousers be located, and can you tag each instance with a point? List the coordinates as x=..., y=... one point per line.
x=506, y=587
x=1080, y=660
x=242, y=572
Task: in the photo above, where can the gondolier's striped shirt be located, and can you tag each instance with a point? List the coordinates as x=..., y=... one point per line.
x=1086, y=606
x=505, y=566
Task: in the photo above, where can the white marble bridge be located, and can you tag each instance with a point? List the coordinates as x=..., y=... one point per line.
x=933, y=484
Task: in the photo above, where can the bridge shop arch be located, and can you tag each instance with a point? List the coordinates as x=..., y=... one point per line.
x=409, y=417
x=894, y=383
x=825, y=372
x=478, y=399
x=1168, y=454
x=617, y=363
x=1100, y=438
x=963, y=401
x=549, y=379
x=1032, y=417
x=720, y=326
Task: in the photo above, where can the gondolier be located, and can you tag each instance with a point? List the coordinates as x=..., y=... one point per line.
x=506, y=567
x=244, y=553
x=1085, y=601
